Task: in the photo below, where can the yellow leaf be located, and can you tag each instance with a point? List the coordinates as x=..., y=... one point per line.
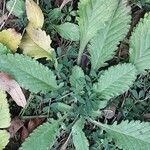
x=11, y=39
x=34, y=14
x=4, y=111
x=4, y=120
x=36, y=44
x=4, y=139
x=40, y=38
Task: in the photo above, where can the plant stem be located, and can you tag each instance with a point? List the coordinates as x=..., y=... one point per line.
x=24, y=109
x=64, y=147
x=99, y=124
x=4, y=4
x=33, y=117
x=65, y=95
x=64, y=3
x=81, y=50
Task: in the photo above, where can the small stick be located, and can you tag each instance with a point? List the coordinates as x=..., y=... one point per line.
x=8, y=15
x=4, y=4
x=33, y=117
x=64, y=3
x=64, y=146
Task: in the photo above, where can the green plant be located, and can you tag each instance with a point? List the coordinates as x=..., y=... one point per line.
x=145, y=4
x=4, y=120
x=78, y=94
x=17, y=7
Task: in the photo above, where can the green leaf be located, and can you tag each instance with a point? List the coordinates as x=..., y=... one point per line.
x=134, y=135
x=142, y=3
x=103, y=46
x=147, y=1
x=61, y=107
x=77, y=79
x=4, y=111
x=4, y=139
x=28, y=73
x=68, y=31
x=55, y=14
x=42, y=138
x=18, y=7
x=79, y=139
x=140, y=45
x=93, y=15
x=3, y=49
x=115, y=81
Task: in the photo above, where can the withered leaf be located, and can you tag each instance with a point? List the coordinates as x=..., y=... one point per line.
x=109, y=113
x=34, y=14
x=24, y=133
x=36, y=43
x=34, y=123
x=16, y=125
x=11, y=39
x=12, y=87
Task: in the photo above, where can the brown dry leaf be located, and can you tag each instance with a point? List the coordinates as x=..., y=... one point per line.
x=36, y=44
x=10, y=38
x=16, y=125
x=109, y=113
x=34, y=14
x=32, y=124
x=24, y=133
x=12, y=87
x=146, y=117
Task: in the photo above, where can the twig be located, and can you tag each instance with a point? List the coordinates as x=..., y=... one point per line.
x=64, y=146
x=33, y=117
x=4, y=4
x=48, y=113
x=8, y=15
x=24, y=109
x=64, y=3
x=124, y=99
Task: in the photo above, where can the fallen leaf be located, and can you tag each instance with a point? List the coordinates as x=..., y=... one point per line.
x=12, y=87
x=16, y=125
x=4, y=111
x=36, y=43
x=24, y=133
x=31, y=125
x=147, y=116
x=11, y=39
x=4, y=139
x=40, y=38
x=34, y=123
x=34, y=14
x=109, y=113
